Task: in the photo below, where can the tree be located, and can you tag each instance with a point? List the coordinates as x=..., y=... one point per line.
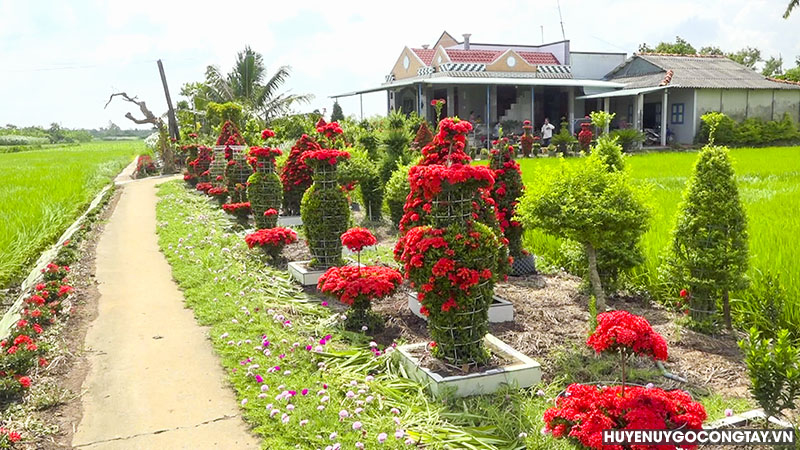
x=773, y=66
x=709, y=255
x=710, y=50
x=679, y=47
x=792, y=5
x=245, y=84
x=589, y=204
x=164, y=146
x=747, y=56
x=337, y=113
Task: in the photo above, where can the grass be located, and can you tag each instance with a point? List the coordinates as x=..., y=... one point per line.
x=769, y=185
x=43, y=191
x=245, y=302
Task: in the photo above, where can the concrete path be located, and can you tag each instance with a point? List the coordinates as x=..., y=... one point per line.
x=154, y=381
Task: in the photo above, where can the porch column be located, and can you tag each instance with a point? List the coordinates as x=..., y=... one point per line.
x=487, y=120
x=533, y=123
x=419, y=99
x=606, y=108
x=664, y=119
x=639, y=112
x=450, y=111
x=571, y=109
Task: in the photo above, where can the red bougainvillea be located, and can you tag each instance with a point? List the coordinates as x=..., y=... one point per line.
x=585, y=136
x=584, y=411
x=351, y=283
x=204, y=187
x=357, y=238
x=330, y=130
x=622, y=330
x=296, y=174
x=271, y=240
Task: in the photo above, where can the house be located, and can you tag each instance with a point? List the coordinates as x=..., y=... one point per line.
x=496, y=83
x=674, y=91
x=503, y=83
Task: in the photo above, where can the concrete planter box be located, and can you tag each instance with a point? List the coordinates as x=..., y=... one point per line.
x=523, y=372
x=501, y=310
x=305, y=276
x=743, y=419
x=289, y=221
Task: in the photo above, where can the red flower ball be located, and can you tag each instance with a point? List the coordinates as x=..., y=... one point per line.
x=357, y=238
x=349, y=283
x=621, y=329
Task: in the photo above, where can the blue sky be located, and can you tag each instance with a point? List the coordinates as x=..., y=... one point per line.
x=62, y=59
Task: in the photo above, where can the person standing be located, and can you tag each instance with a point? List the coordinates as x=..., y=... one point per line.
x=547, y=132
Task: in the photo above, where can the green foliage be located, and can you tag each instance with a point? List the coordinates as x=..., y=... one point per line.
x=751, y=131
x=709, y=254
x=791, y=74
x=610, y=152
x=361, y=169
x=219, y=113
x=326, y=216
x=23, y=140
x=764, y=307
x=629, y=138
x=563, y=139
x=397, y=189
x=337, y=113
x=748, y=56
x=264, y=191
x=710, y=50
x=292, y=127
x=601, y=119
x=773, y=366
x=679, y=47
x=773, y=66
x=396, y=143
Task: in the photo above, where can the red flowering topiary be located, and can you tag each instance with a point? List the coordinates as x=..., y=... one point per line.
x=271, y=240
x=358, y=286
x=296, y=175
x=586, y=410
x=229, y=135
x=324, y=156
x=204, y=187
x=621, y=330
x=357, y=238
x=267, y=133
x=241, y=209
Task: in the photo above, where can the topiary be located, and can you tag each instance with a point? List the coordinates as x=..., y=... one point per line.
x=324, y=209
x=237, y=171
x=397, y=190
x=709, y=254
x=264, y=190
x=296, y=175
x=360, y=170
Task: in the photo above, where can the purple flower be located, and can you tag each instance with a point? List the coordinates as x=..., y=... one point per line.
x=382, y=437
x=356, y=425
x=259, y=379
x=304, y=392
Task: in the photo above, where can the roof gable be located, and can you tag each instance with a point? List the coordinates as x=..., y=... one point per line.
x=424, y=54
x=445, y=40
x=510, y=61
x=407, y=64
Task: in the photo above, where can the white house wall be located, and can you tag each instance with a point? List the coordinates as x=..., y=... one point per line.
x=683, y=133
x=787, y=101
x=594, y=66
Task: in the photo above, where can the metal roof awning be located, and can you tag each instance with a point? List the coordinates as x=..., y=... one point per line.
x=488, y=80
x=621, y=93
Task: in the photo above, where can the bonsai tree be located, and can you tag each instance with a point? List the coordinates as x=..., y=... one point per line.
x=601, y=120
x=296, y=175
x=709, y=255
x=507, y=189
x=324, y=209
x=563, y=140
x=590, y=205
x=264, y=190
x=271, y=240
x=359, y=286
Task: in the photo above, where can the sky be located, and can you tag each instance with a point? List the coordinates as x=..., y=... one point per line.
x=60, y=60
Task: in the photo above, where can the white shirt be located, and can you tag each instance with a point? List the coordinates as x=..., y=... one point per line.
x=547, y=130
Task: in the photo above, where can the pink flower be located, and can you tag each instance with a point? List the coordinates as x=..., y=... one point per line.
x=399, y=434
x=343, y=414
x=304, y=392
x=356, y=425
x=382, y=437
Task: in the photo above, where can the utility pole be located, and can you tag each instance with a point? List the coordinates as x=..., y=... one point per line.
x=563, y=35
x=173, y=124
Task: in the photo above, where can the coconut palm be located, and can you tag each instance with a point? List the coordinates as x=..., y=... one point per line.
x=245, y=84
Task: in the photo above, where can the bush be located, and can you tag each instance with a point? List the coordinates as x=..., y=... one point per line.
x=264, y=190
x=750, y=132
x=296, y=175
x=396, y=144
x=629, y=138
x=507, y=189
x=360, y=169
x=709, y=255
x=563, y=139
x=774, y=370
x=764, y=307
x=397, y=189
x=22, y=140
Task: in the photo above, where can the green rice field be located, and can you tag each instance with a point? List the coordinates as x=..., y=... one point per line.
x=44, y=191
x=769, y=185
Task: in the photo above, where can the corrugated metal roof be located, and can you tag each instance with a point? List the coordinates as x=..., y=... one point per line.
x=698, y=72
x=621, y=93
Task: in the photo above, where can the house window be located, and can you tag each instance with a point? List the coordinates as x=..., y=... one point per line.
x=630, y=113
x=677, y=113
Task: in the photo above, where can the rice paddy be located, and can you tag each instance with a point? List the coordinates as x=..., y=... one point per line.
x=43, y=191
x=769, y=185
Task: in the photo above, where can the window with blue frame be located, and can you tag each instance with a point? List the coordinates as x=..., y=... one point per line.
x=677, y=113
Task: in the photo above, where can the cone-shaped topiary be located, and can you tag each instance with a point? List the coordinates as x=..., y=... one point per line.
x=264, y=188
x=709, y=254
x=397, y=189
x=296, y=175
x=324, y=209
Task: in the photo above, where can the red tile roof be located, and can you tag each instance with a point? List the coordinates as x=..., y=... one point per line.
x=473, y=56
x=778, y=80
x=425, y=54
x=538, y=58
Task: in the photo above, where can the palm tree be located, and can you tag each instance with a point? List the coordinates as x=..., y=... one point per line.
x=244, y=84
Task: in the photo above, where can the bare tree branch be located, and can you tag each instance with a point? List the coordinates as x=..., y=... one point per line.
x=149, y=117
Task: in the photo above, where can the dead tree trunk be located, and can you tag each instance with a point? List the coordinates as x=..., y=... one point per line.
x=165, y=150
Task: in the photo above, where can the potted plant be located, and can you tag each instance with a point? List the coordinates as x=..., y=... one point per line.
x=271, y=240
x=264, y=190
x=526, y=141
x=563, y=139
x=585, y=136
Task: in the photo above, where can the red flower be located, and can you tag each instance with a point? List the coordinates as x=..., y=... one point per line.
x=270, y=212
x=432, y=344
x=25, y=382
x=449, y=304
x=237, y=208
x=621, y=329
x=325, y=155
x=271, y=237
x=349, y=283
x=684, y=293
x=357, y=238
x=267, y=133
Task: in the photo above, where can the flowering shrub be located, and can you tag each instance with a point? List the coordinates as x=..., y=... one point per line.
x=271, y=240
x=507, y=190
x=325, y=210
x=623, y=331
x=145, y=167
x=8, y=437
x=199, y=166
x=358, y=286
x=237, y=171
x=219, y=193
x=229, y=135
x=264, y=186
x=357, y=238
x=296, y=175
x=526, y=140
x=204, y=187
x=586, y=410
x=241, y=210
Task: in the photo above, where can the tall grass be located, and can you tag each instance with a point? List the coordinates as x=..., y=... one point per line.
x=769, y=185
x=42, y=192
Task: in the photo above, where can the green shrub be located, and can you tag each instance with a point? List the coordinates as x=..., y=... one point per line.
x=750, y=132
x=709, y=255
x=563, y=139
x=361, y=170
x=396, y=144
x=23, y=140
x=629, y=138
x=325, y=212
x=397, y=189
x=764, y=307
x=773, y=366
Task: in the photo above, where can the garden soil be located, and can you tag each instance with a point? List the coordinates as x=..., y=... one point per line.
x=153, y=380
